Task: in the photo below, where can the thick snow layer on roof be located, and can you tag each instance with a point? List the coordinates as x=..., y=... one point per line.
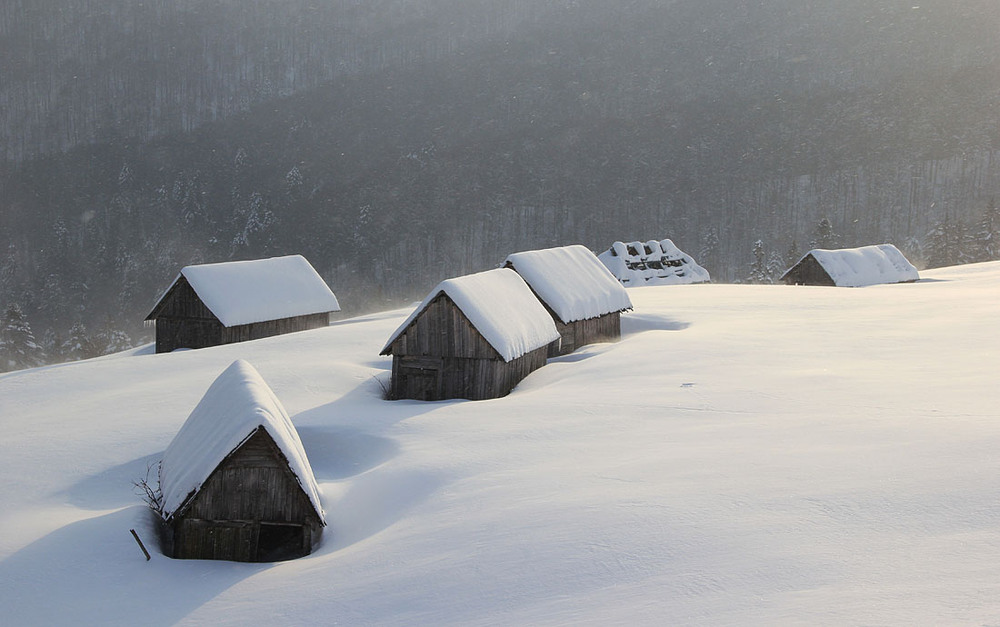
x=652, y=263
x=868, y=265
x=571, y=281
x=237, y=403
x=243, y=292
x=501, y=307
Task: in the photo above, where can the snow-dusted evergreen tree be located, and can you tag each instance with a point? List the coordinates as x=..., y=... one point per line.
x=775, y=266
x=987, y=235
x=792, y=254
x=823, y=236
x=18, y=348
x=758, y=269
x=708, y=254
x=948, y=244
x=79, y=344
x=111, y=339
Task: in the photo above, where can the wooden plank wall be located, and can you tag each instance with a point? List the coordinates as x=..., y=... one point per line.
x=808, y=272
x=442, y=355
x=442, y=330
x=252, y=486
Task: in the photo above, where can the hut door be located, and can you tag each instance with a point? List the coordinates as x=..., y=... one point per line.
x=276, y=541
x=421, y=378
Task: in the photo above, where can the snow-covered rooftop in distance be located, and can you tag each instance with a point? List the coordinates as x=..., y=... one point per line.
x=501, y=307
x=237, y=403
x=244, y=292
x=868, y=265
x=652, y=263
x=571, y=281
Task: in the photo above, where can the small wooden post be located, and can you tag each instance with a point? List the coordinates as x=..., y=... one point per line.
x=144, y=551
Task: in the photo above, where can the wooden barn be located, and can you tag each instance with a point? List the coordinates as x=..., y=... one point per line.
x=652, y=263
x=473, y=337
x=584, y=299
x=222, y=303
x=235, y=482
x=852, y=267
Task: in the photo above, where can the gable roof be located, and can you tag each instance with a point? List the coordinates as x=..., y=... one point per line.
x=236, y=404
x=652, y=263
x=243, y=292
x=500, y=306
x=571, y=281
x=867, y=265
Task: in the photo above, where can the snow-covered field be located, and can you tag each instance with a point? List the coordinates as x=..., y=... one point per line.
x=745, y=455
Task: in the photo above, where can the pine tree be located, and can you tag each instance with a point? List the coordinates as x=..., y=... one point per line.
x=111, y=340
x=18, y=348
x=948, y=243
x=708, y=254
x=79, y=345
x=775, y=266
x=823, y=236
x=758, y=269
x=987, y=236
x=792, y=254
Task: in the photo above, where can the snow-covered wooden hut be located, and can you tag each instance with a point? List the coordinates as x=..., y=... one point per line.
x=474, y=337
x=652, y=263
x=852, y=267
x=235, y=482
x=222, y=303
x=583, y=298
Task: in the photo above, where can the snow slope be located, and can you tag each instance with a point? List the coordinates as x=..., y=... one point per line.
x=746, y=455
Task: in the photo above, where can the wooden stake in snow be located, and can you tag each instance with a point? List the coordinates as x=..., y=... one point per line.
x=144, y=551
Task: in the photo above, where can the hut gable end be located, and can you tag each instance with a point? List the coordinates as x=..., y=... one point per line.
x=254, y=482
x=442, y=330
x=181, y=301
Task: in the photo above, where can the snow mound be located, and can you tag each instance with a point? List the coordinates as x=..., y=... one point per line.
x=652, y=263
x=501, y=307
x=237, y=403
x=571, y=281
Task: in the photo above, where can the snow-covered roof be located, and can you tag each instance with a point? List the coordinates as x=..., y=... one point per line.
x=868, y=265
x=652, y=263
x=237, y=403
x=244, y=292
x=571, y=281
x=501, y=307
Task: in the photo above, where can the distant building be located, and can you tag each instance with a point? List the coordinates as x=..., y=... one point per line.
x=222, y=303
x=852, y=267
x=235, y=482
x=652, y=263
x=582, y=296
x=473, y=337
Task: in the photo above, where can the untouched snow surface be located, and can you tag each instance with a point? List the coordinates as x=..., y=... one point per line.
x=746, y=455
x=243, y=292
x=571, y=281
x=237, y=403
x=501, y=307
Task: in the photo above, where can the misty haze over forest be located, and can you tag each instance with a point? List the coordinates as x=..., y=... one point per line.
x=395, y=143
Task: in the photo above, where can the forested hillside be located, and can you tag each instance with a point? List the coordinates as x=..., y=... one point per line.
x=395, y=143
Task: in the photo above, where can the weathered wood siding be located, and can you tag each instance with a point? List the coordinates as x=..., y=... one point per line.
x=808, y=271
x=268, y=328
x=183, y=321
x=442, y=355
x=606, y=328
x=251, y=508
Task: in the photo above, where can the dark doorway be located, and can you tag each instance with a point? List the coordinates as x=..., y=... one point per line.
x=276, y=542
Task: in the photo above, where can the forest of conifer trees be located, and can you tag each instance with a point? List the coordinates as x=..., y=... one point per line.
x=396, y=143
